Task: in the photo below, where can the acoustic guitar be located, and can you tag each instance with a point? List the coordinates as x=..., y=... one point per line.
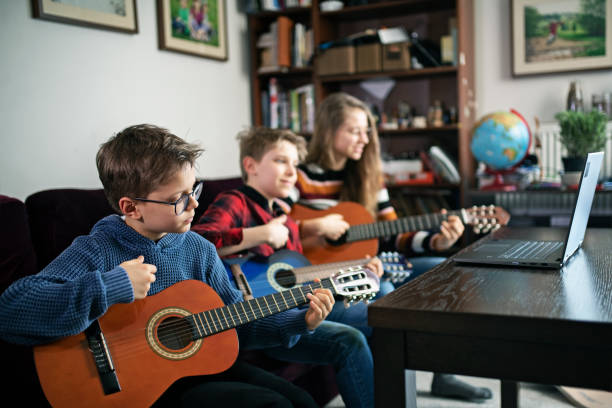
x=362, y=236
x=133, y=353
x=287, y=269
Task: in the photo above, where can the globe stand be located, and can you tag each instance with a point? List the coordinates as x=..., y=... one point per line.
x=498, y=183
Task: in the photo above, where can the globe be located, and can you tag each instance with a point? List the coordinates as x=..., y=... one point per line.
x=501, y=140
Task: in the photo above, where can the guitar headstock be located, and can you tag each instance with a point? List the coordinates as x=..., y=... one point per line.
x=397, y=268
x=486, y=218
x=355, y=284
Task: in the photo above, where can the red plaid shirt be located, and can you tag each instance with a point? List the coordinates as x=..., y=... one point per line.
x=245, y=207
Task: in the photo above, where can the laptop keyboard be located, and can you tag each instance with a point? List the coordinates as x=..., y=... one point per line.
x=532, y=249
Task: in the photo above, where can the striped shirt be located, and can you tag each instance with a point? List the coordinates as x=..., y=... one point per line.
x=319, y=188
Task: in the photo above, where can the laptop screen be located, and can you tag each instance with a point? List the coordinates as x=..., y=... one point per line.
x=584, y=201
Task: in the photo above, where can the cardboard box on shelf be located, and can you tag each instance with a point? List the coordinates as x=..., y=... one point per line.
x=336, y=60
x=396, y=56
x=369, y=57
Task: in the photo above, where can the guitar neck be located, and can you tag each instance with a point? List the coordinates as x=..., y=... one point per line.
x=406, y=224
x=224, y=318
x=309, y=273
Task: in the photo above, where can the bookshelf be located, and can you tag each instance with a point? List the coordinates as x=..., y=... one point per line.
x=453, y=85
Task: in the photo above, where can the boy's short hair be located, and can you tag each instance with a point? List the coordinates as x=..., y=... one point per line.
x=257, y=141
x=140, y=158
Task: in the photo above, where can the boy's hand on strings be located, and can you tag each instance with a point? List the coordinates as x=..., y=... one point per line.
x=276, y=232
x=450, y=231
x=141, y=275
x=375, y=265
x=321, y=303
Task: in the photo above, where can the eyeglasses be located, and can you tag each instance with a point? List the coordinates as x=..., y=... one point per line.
x=181, y=204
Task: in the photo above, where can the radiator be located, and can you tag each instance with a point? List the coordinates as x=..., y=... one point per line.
x=552, y=151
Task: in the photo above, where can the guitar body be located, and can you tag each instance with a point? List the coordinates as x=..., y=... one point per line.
x=145, y=368
x=354, y=214
x=272, y=274
x=287, y=269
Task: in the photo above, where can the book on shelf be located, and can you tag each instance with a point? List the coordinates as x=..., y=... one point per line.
x=287, y=44
x=284, y=34
x=278, y=5
x=288, y=108
x=273, y=103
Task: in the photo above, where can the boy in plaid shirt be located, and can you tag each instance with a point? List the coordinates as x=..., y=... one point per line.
x=254, y=218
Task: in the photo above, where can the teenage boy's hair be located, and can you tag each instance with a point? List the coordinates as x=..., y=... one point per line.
x=139, y=159
x=256, y=142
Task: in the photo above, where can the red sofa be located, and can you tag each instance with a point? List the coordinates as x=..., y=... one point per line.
x=36, y=232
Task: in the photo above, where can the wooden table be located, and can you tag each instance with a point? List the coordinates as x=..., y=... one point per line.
x=532, y=325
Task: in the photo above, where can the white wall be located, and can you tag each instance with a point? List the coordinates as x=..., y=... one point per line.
x=543, y=95
x=65, y=89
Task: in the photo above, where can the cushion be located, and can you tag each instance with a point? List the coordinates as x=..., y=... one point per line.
x=17, y=259
x=17, y=256
x=58, y=216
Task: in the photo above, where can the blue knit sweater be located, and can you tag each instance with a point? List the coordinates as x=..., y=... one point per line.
x=85, y=280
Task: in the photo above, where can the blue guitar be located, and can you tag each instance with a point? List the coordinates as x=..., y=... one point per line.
x=288, y=269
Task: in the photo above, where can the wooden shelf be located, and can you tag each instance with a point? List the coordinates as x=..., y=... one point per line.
x=413, y=73
x=388, y=9
x=450, y=130
x=421, y=187
x=292, y=11
x=286, y=72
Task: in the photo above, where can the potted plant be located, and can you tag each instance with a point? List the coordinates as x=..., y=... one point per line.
x=581, y=133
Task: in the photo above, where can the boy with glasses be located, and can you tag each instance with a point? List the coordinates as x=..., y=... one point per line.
x=148, y=176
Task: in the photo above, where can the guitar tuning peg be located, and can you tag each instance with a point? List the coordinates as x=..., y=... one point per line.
x=496, y=227
x=476, y=230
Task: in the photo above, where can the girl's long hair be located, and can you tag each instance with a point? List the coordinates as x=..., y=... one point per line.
x=363, y=178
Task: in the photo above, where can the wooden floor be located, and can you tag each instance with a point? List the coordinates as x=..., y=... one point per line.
x=531, y=395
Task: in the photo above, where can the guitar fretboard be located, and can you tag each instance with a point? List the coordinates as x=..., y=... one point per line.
x=391, y=228
x=228, y=317
x=309, y=273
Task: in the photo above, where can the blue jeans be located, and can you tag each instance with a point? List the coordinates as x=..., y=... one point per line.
x=346, y=349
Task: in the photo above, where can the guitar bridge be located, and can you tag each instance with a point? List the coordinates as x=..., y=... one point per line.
x=102, y=359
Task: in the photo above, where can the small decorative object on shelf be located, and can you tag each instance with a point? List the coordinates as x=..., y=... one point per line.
x=574, y=97
x=331, y=5
x=501, y=140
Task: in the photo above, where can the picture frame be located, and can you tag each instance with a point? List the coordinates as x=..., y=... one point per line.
x=115, y=15
x=553, y=36
x=195, y=27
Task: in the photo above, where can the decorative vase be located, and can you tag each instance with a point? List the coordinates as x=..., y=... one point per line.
x=573, y=164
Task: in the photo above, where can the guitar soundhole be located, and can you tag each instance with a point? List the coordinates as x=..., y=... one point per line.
x=337, y=242
x=285, y=278
x=174, y=333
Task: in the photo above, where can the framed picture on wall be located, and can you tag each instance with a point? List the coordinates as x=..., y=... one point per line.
x=561, y=36
x=118, y=15
x=196, y=27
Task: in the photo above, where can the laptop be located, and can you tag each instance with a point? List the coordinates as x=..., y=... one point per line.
x=543, y=254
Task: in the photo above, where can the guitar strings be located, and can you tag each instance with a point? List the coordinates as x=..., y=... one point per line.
x=118, y=338
x=238, y=319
